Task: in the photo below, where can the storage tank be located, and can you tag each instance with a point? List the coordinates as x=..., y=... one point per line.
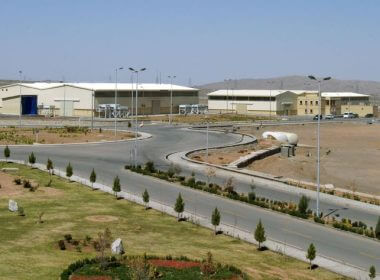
x=283, y=137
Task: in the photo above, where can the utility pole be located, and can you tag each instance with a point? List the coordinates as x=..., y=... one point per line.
x=171, y=77
x=19, y=117
x=114, y=109
x=136, y=126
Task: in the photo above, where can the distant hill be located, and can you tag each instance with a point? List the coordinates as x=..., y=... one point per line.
x=295, y=82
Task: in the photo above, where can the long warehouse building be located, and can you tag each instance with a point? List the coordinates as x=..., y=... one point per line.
x=81, y=99
x=289, y=102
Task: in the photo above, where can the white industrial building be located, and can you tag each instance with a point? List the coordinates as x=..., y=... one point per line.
x=82, y=99
x=265, y=102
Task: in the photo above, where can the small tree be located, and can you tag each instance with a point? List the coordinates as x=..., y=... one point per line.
x=32, y=159
x=260, y=234
x=210, y=174
x=116, y=185
x=311, y=253
x=215, y=218
x=145, y=197
x=69, y=170
x=252, y=194
x=92, y=178
x=7, y=152
x=303, y=204
x=179, y=206
x=372, y=272
x=377, y=229
x=49, y=166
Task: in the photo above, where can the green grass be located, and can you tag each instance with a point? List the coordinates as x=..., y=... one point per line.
x=29, y=250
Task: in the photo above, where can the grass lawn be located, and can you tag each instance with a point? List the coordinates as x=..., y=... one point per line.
x=29, y=249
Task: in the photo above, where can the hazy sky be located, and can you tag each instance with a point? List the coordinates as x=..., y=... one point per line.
x=205, y=40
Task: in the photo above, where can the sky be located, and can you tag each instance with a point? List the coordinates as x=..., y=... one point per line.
x=198, y=41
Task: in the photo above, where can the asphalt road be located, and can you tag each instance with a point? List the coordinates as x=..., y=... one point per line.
x=108, y=160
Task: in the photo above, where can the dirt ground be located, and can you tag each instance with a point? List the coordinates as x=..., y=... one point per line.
x=350, y=155
x=10, y=136
x=230, y=154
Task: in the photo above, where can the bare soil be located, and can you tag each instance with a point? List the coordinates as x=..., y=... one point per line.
x=228, y=155
x=174, y=263
x=350, y=155
x=10, y=190
x=11, y=136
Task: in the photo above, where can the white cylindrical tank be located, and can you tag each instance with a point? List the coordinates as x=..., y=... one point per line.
x=283, y=137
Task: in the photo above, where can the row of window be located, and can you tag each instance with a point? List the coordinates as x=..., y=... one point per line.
x=4, y=89
x=311, y=102
x=310, y=111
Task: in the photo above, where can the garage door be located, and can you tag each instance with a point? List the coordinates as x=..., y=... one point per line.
x=156, y=107
x=29, y=105
x=66, y=108
x=241, y=108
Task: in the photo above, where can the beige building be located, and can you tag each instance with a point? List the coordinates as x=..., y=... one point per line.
x=259, y=102
x=335, y=103
x=81, y=99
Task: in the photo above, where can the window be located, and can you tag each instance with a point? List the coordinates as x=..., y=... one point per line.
x=311, y=111
x=311, y=102
x=327, y=102
x=305, y=111
x=306, y=102
x=316, y=102
x=300, y=102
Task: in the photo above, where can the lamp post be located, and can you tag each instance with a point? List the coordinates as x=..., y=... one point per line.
x=171, y=77
x=19, y=117
x=207, y=129
x=228, y=85
x=270, y=99
x=318, y=134
x=114, y=109
x=136, y=127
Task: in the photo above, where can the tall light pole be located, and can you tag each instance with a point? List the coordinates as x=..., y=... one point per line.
x=318, y=134
x=270, y=99
x=114, y=109
x=171, y=77
x=228, y=85
x=136, y=126
x=207, y=129
x=19, y=116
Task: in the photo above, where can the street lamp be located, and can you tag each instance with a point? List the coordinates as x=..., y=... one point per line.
x=228, y=85
x=136, y=127
x=318, y=134
x=19, y=117
x=114, y=109
x=270, y=99
x=171, y=97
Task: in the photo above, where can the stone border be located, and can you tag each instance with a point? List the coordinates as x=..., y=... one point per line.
x=331, y=264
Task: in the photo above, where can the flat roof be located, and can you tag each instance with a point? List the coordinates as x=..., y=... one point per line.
x=276, y=92
x=106, y=86
x=343, y=94
x=255, y=92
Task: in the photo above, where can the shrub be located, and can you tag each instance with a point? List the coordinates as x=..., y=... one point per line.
x=377, y=229
x=7, y=152
x=149, y=167
x=303, y=204
x=69, y=170
x=26, y=184
x=68, y=237
x=17, y=181
x=61, y=245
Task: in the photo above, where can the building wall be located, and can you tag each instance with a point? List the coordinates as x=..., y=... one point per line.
x=307, y=104
x=11, y=106
x=13, y=91
x=361, y=110
x=145, y=102
x=253, y=107
x=286, y=104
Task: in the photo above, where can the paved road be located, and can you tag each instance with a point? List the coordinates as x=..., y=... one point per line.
x=109, y=159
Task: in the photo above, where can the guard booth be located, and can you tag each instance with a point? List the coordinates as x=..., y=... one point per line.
x=29, y=105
